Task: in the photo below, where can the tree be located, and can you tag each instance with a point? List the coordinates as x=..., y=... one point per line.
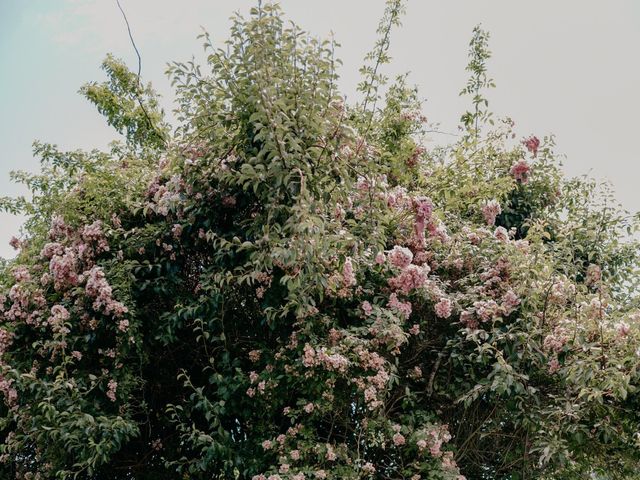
x=290, y=287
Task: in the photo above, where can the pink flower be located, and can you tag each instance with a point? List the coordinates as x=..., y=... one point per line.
x=412, y=277
x=229, y=201
x=501, y=234
x=443, y=308
x=331, y=455
x=623, y=329
x=366, y=308
x=267, y=444
x=520, y=171
x=368, y=468
x=254, y=355
x=423, y=207
x=490, y=211
x=21, y=274
x=295, y=454
x=111, y=392
x=532, y=143
x=176, y=231
x=594, y=275
x=398, y=439
x=309, y=407
x=404, y=308
x=15, y=243
x=554, y=365
x=415, y=329
x=509, y=302
x=380, y=258
x=348, y=276
x=400, y=257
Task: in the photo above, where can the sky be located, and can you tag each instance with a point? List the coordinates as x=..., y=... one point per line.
x=567, y=67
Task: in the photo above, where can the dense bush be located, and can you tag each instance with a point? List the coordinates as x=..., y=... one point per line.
x=289, y=287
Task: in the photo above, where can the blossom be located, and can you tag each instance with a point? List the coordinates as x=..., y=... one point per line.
x=176, y=231
x=400, y=257
x=331, y=454
x=490, y=211
x=267, y=444
x=99, y=289
x=501, y=234
x=404, y=308
x=15, y=243
x=366, y=308
x=554, y=365
x=308, y=407
x=254, y=355
x=380, y=258
x=443, y=308
x=423, y=207
x=348, y=276
x=411, y=278
x=368, y=468
x=111, y=390
x=398, y=439
x=532, y=143
x=63, y=269
x=623, y=329
x=21, y=274
x=594, y=275
x=520, y=171
x=555, y=341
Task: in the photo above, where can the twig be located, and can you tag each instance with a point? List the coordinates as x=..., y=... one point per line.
x=144, y=110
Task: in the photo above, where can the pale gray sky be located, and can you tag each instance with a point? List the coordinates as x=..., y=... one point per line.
x=567, y=67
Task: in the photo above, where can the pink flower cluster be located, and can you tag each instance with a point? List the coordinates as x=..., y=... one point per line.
x=423, y=208
x=348, y=275
x=112, y=386
x=556, y=341
x=532, y=143
x=490, y=211
x=63, y=269
x=10, y=394
x=410, y=278
x=403, y=308
x=444, y=308
x=520, y=171
x=59, y=315
x=594, y=275
x=99, y=289
x=400, y=257
x=329, y=361
x=94, y=236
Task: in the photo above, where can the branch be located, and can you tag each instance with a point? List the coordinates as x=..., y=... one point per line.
x=144, y=110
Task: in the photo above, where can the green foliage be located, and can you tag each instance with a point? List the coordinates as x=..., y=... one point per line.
x=288, y=287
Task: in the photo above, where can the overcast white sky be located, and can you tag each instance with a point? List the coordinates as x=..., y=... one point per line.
x=567, y=67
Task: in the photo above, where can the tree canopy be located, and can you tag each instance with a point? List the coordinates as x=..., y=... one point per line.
x=287, y=286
